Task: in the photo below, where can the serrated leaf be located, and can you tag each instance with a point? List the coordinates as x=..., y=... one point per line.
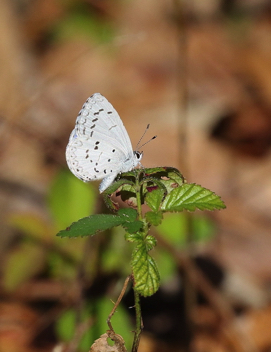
x=128, y=195
x=150, y=242
x=91, y=225
x=112, y=189
x=191, y=197
x=121, y=183
x=154, y=199
x=132, y=227
x=133, y=237
x=175, y=175
x=100, y=222
x=128, y=214
x=146, y=275
x=130, y=223
x=154, y=218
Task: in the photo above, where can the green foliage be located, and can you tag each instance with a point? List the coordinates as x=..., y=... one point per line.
x=100, y=222
x=191, y=197
x=154, y=218
x=154, y=199
x=146, y=274
x=162, y=189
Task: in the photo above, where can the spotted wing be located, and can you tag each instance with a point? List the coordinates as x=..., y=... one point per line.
x=99, y=145
x=100, y=121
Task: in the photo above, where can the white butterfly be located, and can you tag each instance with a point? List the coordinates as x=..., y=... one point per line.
x=99, y=146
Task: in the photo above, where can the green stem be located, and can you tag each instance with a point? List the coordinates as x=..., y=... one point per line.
x=139, y=324
x=138, y=197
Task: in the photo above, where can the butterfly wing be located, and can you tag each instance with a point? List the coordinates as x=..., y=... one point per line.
x=100, y=120
x=99, y=146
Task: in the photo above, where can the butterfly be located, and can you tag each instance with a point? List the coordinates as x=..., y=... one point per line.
x=99, y=146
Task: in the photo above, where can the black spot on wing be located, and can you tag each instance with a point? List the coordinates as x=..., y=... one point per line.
x=96, y=145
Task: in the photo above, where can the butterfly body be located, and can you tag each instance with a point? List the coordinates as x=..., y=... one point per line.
x=99, y=146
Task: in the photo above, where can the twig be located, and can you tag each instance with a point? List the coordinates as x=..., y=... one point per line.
x=117, y=303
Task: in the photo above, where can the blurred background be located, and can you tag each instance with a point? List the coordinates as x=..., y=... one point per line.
x=200, y=73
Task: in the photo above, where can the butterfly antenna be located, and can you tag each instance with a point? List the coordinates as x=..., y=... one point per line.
x=142, y=145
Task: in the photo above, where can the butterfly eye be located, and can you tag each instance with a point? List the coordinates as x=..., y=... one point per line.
x=138, y=155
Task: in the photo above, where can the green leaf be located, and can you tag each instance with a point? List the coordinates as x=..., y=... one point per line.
x=168, y=176
x=175, y=175
x=191, y=197
x=100, y=222
x=130, y=223
x=122, y=184
x=128, y=214
x=154, y=199
x=150, y=242
x=91, y=225
x=146, y=275
x=133, y=237
x=127, y=191
x=154, y=218
x=132, y=227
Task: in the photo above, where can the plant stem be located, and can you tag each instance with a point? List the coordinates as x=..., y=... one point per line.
x=117, y=303
x=138, y=196
x=139, y=324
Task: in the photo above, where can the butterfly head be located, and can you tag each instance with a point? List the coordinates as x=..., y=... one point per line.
x=138, y=155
